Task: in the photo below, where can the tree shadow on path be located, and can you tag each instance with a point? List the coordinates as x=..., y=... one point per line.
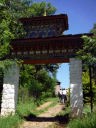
x=64, y=119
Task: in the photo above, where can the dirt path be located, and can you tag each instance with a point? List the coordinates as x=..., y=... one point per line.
x=44, y=120
x=44, y=105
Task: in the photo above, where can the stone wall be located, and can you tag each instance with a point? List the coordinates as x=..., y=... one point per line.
x=10, y=90
x=76, y=93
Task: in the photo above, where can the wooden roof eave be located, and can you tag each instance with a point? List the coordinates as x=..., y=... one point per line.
x=29, y=41
x=43, y=20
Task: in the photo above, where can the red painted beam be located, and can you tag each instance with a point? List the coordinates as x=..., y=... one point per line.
x=46, y=61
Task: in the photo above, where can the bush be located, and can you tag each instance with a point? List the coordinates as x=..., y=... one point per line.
x=23, y=95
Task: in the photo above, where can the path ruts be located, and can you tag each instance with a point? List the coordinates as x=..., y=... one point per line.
x=45, y=119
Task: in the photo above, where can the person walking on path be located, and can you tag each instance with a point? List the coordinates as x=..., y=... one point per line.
x=60, y=95
x=64, y=96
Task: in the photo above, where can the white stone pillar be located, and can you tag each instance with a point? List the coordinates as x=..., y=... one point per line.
x=76, y=93
x=10, y=90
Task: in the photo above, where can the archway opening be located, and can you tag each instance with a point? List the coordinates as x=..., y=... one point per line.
x=63, y=75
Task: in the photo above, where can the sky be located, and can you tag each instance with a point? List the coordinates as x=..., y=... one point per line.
x=81, y=19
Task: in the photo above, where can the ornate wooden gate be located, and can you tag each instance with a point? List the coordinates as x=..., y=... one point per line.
x=45, y=41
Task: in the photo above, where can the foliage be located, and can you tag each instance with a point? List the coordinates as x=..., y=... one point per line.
x=10, y=28
x=88, y=52
x=28, y=107
x=86, y=88
x=93, y=29
x=23, y=110
x=37, y=84
x=10, y=121
x=38, y=9
x=88, y=56
x=33, y=79
x=52, y=68
x=88, y=122
x=7, y=63
x=5, y=36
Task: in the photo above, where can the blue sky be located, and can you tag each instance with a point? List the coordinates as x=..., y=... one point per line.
x=81, y=18
x=81, y=13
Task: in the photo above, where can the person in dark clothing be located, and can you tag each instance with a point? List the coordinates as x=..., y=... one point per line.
x=60, y=95
x=64, y=96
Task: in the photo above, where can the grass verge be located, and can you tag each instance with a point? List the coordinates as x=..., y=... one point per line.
x=86, y=122
x=10, y=121
x=24, y=109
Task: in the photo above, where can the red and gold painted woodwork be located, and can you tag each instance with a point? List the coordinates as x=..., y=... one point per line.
x=45, y=26
x=44, y=42
x=46, y=50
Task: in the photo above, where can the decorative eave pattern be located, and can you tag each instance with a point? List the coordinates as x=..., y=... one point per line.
x=47, y=50
x=45, y=20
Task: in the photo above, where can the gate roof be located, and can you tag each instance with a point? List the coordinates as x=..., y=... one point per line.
x=47, y=50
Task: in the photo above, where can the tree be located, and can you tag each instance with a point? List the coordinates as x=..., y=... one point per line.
x=88, y=55
x=38, y=9
x=93, y=29
x=38, y=84
x=10, y=28
x=88, y=52
x=36, y=77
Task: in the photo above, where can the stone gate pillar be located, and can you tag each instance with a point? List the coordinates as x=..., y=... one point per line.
x=76, y=93
x=10, y=90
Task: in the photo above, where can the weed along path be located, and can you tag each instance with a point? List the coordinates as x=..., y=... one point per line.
x=45, y=119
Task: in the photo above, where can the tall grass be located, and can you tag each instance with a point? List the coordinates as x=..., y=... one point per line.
x=87, y=122
x=24, y=109
x=10, y=121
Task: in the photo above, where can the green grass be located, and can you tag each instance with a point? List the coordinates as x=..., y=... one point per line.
x=24, y=109
x=54, y=102
x=10, y=121
x=86, y=122
x=87, y=109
